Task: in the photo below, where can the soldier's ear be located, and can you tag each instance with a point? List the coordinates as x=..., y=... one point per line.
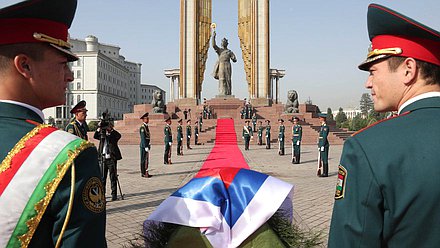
x=22, y=65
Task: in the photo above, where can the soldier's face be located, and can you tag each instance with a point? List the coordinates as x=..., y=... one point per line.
x=386, y=88
x=146, y=120
x=81, y=116
x=50, y=78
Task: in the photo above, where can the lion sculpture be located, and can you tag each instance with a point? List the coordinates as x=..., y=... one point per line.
x=158, y=103
x=292, y=102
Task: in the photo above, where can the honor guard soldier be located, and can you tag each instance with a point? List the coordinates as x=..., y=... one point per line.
x=247, y=134
x=296, y=141
x=51, y=193
x=179, y=138
x=200, y=122
x=168, y=139
x=78, y=126
x=267, y=134
x=281, y=130
x=145, y=146
x=196, y=133
x=260, y=133
x=254, y=122
x=323, y=146
x=188, y=134
x=388, y=188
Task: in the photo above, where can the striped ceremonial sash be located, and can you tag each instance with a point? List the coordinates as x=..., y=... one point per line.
x=29, y=176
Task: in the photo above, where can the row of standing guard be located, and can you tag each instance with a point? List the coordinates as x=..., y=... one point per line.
x=323, y=144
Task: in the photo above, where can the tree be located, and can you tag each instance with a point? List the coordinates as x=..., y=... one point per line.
x=340, y=118
x=366, y=104
x=329, y=114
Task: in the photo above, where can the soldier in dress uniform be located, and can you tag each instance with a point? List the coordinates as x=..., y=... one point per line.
x=55, y=198
x=260, y=133
x=188, y=134
x=168, y=139
x=196, y=133
x=247, y=134
x=179, y=137
x=323, y=146
x=254, y=122
x=296, y=140
x=200, y=122
x=78, y=126
x=388, y=189
x=281, y=130
x=267, y=134
x=145, y=146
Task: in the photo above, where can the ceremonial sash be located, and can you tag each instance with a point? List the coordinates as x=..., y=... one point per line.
x=29, y=177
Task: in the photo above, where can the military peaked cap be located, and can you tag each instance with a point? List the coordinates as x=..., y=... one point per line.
x=393, y=34
x=322, y=115
x=145, y=115
x=38, y=21
x=80, y=106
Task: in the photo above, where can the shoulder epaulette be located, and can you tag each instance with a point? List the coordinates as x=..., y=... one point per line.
x=380, y=121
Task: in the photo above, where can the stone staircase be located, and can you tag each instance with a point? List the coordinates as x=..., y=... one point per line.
x=129, y=126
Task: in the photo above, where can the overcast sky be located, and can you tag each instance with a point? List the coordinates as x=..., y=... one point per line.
x=318, y=42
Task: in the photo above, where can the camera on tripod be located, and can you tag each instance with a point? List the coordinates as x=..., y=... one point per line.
x=105, y=120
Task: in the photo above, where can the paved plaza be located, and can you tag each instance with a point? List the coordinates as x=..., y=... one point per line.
x=312, y=201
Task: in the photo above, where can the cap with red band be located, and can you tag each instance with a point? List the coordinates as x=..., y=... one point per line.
x=393, y=34
x=36, y=21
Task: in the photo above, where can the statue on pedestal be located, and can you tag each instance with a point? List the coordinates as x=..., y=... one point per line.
x=223, y=69
x=292, y=102
x=158, y=102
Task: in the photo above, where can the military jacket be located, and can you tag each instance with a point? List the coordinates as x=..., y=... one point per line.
x=268, y=131
x=188, y=131
x=323, y=134
x=281, y=130
x=196, y=130
x=168, y=136
x=254, y=120
x=144, y=132
x=86, y=227
x=260, y=131
x=179, y=132
x=388, y=189
x=79, y=130
x=297, y=133
x=247, y=131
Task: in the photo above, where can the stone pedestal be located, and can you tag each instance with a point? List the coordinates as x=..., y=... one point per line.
x=185, y=102
x=226, y=106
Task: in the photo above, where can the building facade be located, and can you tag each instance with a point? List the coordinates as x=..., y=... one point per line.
x=103, y=78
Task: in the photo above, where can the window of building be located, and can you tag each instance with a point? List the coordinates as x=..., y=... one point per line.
x=78, y=85
x=78, y=74
x=58, y=112
x=78, y=98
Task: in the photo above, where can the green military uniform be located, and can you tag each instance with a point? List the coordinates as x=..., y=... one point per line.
x=188, y=137
x=254, y=122
x=247, y=134
x=323, y=147
x=179, y=140
x=144, y=133
x=268, y=135
x=388, y=188
x=281, y=130
x=78, y=129
x=296, y=143
x=260, y=135
x=168, y=139
x=196, y=134
x=86, y=227
x=200, y=123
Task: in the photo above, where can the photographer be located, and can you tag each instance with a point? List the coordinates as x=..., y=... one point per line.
x=109, y=153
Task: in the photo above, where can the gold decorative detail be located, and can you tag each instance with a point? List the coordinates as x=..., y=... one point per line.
x=55, y=41
x=385, y=51
x=6, y=163
x=50, y=189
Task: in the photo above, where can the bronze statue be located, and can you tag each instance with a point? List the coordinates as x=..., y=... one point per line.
x=223, y=69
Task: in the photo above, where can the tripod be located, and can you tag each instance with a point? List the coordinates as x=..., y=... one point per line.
x=104, y=166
